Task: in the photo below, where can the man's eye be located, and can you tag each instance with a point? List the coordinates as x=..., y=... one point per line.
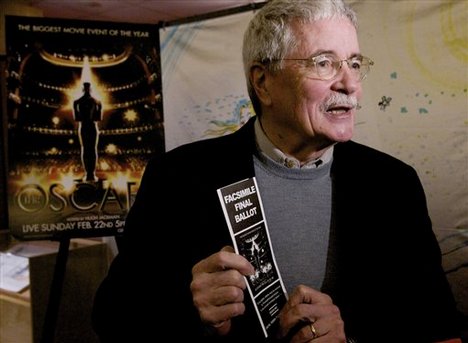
x=323, y=63
x=356, y=64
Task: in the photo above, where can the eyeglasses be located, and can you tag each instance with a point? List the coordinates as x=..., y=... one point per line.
x=326, y=67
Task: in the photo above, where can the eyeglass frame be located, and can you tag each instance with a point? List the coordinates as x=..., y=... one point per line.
x=368, y=63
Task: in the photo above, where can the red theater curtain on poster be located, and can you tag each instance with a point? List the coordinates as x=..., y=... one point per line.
x=84, y=116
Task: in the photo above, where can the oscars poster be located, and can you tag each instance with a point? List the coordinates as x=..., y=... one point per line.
x=84, y=115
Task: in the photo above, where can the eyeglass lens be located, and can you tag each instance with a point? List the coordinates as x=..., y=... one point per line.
x=326, y=68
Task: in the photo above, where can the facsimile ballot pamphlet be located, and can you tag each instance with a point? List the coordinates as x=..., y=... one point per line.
x=243, y=211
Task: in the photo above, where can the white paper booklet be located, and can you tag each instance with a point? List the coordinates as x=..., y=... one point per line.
x=14, y=272
x=243, y=211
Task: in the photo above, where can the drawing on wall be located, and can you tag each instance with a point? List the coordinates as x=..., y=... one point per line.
x=205, y=94
x=416, y=104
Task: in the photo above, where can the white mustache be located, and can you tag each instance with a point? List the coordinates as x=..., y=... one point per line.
x=340, y=99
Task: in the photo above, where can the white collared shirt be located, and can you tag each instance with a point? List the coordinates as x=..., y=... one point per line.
x=267, y=148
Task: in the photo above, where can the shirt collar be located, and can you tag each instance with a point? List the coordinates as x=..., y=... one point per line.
x=267, y=148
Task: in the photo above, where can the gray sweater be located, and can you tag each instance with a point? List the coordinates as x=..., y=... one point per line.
x=297, y=205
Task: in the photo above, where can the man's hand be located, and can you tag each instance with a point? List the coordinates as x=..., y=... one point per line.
x=218, y=288
x=310, y=315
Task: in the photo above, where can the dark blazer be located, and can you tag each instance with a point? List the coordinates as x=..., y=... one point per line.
x=385, y=272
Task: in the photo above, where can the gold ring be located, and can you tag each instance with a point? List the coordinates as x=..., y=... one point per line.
x=313, y=330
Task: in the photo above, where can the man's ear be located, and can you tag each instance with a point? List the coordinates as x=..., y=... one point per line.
x=258, y=78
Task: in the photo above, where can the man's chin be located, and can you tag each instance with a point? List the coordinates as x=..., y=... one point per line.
x=340, y=137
